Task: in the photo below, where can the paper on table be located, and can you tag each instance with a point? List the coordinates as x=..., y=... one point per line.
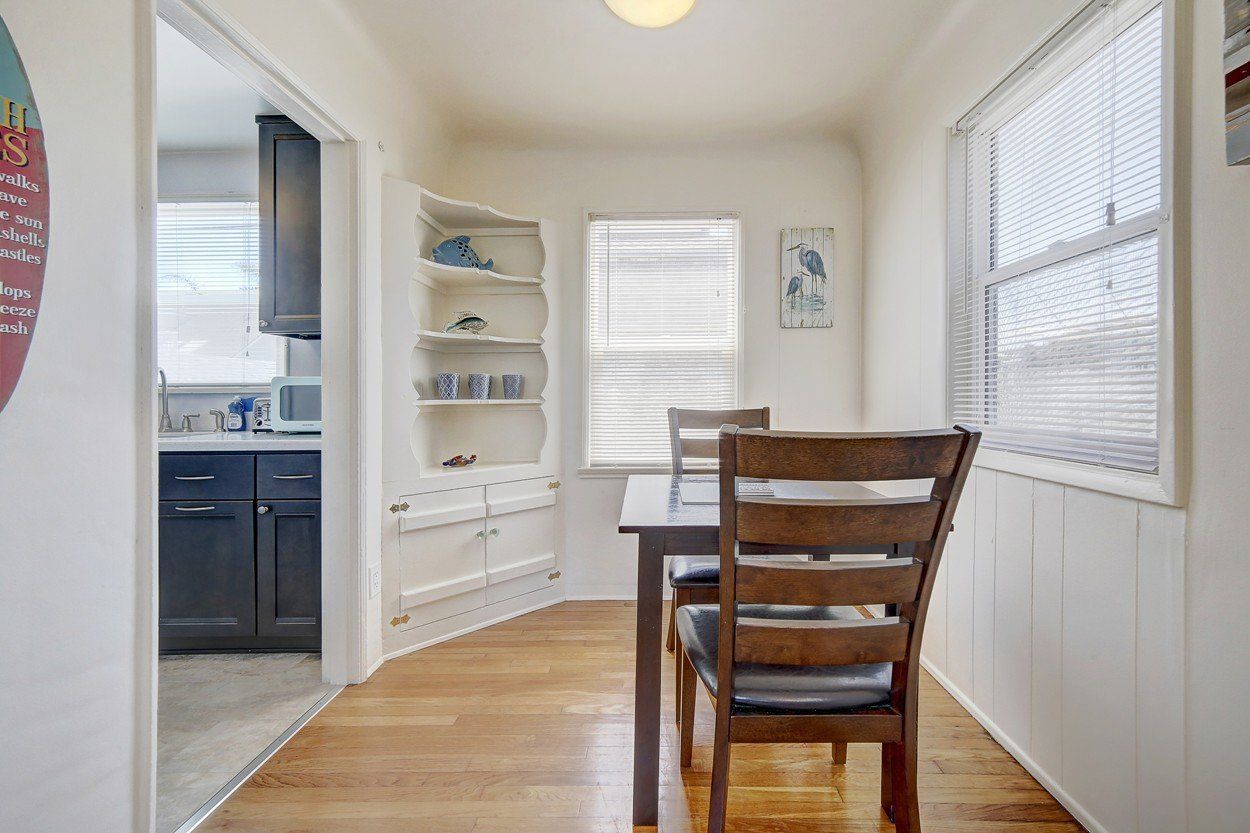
x=708, y=491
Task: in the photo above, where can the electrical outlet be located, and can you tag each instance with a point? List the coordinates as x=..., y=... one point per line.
x=375, y=581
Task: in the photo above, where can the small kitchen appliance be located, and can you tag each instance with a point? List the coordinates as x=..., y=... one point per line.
x=295, y=404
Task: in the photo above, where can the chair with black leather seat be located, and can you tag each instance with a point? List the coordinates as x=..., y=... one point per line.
x=784, y=674
x=695, y=579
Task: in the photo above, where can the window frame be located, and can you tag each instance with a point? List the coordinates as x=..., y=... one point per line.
x=585, y=470
x=1168, y=486
x=284, y=353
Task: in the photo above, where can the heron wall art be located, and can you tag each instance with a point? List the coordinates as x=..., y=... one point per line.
x=806, y=291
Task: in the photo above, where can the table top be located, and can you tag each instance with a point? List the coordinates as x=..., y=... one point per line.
x=653, y=501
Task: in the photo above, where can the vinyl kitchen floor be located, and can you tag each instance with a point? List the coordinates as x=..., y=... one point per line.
x=216, y=713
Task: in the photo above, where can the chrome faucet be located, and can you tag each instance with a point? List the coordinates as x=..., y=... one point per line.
x=167, y=423
x=219, y=420
x=187, y=427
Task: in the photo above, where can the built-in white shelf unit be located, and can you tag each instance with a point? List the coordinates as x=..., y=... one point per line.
x=476, y=542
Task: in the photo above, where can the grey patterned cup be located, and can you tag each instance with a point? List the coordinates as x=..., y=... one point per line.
x=448, y=385
x=479, y=386
x=512, y=385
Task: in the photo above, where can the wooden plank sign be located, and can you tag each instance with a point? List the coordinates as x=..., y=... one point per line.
x=23, y=215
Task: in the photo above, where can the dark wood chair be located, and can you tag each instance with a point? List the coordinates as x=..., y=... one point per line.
x=695, y=579
x=795, y=677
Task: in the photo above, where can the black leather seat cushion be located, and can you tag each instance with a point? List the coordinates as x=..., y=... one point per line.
x=783, y=687
x=694, y=571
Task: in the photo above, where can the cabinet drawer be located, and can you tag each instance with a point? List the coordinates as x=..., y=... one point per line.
x=207, y=476
x=288, y=476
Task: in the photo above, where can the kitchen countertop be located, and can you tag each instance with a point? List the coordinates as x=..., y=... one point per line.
x=238, y=441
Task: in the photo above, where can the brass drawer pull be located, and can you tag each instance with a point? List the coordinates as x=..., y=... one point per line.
x=553, y=485
x=400, y=620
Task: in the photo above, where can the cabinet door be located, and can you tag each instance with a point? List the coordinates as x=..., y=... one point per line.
x=520, y=538
x=207, y=569
x=288, y=569
x=290, y=229
x=442, y=555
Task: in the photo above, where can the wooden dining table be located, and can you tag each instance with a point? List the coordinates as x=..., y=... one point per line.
x=653, y=510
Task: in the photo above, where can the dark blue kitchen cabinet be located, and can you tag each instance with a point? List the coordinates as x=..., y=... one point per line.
x=207, y=580
x=290, y=229
x=240, y=558
x=288, y=569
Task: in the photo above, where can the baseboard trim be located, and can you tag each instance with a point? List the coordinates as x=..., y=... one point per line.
x=219, y=797
x=1043, y=777
x=602, y=597
x=476, y=626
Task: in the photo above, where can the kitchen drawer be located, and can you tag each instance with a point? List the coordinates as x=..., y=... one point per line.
x=288, y=476
x=207, y=476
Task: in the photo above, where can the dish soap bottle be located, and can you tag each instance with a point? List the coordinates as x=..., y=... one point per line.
x=235, y=422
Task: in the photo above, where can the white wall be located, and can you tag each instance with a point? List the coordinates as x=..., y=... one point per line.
x=217, y=173
x=1066, y=618
x=810, y=378
x=76, y=504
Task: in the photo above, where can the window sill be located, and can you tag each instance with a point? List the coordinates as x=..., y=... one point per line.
x=610, y=472
x=1151, y=488
x=237, y=389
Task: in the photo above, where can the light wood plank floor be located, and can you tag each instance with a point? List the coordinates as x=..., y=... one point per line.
x=526, y=727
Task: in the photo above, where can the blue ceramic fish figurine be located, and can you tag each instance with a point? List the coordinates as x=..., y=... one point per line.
x=456, y=251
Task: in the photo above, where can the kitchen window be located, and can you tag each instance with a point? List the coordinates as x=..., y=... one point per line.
x=1059, y=236
x=662, y=329
x=206, y=296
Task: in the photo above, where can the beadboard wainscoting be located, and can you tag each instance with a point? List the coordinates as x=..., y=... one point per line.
x=1058, y=621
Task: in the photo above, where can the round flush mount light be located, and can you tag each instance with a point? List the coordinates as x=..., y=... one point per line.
x=650, y=14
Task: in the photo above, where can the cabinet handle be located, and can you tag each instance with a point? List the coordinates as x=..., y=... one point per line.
x=293, y=476
x=480, y=535
x=195, y=477
x=194, y=508
x=261, y=510
x=495, y=532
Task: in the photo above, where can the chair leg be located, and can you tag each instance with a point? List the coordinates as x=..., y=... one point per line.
x=681, y=598
x=689, y=681
x=719, y=797
x=670, y=642
x=839, y=753
x=903, y=782
x=887, y=777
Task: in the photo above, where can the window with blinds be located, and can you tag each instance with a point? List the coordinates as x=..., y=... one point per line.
x=662, y=303
x=206, y=296
x=1056, y=212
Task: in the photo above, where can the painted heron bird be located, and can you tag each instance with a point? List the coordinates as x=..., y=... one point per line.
x=813, y=262
x=795, y=286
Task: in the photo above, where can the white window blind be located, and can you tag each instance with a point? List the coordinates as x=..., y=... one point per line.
x=1056, y=210
x=206, y=295
x=663, y=328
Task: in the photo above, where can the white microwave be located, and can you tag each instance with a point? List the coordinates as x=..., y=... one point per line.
x=295, y=404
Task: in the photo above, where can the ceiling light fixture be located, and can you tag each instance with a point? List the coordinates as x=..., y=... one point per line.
x=650, y=14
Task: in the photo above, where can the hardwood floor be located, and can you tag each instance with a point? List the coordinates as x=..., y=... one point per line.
x=525, y=727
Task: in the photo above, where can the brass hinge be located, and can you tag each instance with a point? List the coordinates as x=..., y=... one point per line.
x=399, y=507
x=555, y=484
x=553, y=576
x=400, y=620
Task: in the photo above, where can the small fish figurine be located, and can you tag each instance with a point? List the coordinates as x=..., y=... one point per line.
x=456, y=251
x=465, y=320
x=460, y=461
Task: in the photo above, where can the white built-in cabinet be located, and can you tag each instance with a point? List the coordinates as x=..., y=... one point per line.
x=465, y=545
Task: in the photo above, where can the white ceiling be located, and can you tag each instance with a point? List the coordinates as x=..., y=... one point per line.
x=571, y=70
x=200, y=105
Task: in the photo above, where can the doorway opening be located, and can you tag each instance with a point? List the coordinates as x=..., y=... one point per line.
x=259, y=567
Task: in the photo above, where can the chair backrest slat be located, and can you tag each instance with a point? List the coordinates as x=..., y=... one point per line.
x=811, y=583
x=821, y=642
x=795, y=456
x=837, y=523
x=694, y=419
x=915, y=526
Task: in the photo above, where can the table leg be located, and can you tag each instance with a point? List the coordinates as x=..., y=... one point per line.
x=647, y=679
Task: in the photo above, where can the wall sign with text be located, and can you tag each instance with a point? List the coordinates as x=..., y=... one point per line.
x=23, y=215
